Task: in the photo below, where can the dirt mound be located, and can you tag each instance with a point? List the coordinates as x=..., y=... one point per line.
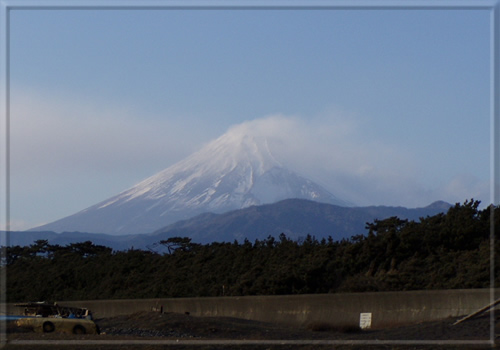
x=172, y=325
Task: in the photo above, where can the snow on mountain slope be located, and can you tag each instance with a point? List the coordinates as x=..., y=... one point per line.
x=235, y=171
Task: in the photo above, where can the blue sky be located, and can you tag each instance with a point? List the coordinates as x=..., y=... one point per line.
x=382, y=107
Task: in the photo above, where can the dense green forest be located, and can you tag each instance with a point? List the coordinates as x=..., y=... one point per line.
x=444, y=251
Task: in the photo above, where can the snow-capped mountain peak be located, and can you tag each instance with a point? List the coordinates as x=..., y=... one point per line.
x=233, y=171
x=242, y=156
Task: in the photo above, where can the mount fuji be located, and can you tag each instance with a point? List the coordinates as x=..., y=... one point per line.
x=235, y=171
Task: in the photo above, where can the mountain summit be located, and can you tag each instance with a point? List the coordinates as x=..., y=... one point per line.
x=235, y=171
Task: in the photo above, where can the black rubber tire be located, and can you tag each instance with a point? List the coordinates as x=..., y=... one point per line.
x=48, y=327
x=79, y=329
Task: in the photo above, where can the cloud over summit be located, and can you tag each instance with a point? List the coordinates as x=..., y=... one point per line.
x=76, y=153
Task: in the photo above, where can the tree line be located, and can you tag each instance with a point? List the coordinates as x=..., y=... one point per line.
x=445, y=251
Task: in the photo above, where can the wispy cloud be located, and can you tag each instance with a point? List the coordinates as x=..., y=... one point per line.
x=61, y=132
x=336, y=151
x=466, y=186
x=68, y=153
x=72, y=153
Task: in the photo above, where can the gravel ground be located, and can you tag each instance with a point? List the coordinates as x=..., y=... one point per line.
x=151, y=330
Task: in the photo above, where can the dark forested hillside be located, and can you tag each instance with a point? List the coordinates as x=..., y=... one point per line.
x=294, y=217
x=449, y=250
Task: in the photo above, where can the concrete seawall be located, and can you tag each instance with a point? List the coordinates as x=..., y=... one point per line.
x=387, y=308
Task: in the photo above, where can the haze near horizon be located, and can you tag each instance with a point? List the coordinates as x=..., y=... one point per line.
x=380, y=107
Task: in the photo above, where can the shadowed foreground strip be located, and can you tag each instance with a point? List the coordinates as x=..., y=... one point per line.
x=180, y=331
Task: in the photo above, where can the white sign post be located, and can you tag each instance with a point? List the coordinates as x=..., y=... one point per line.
x=365, y=320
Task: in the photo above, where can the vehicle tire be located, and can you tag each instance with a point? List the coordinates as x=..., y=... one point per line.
x=79, y=330
x=48, y=327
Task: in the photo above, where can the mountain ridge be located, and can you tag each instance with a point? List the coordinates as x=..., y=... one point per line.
x=294, y=217
x=305, y=216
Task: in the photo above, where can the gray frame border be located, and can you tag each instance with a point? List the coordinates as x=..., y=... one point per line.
x=6, y=6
